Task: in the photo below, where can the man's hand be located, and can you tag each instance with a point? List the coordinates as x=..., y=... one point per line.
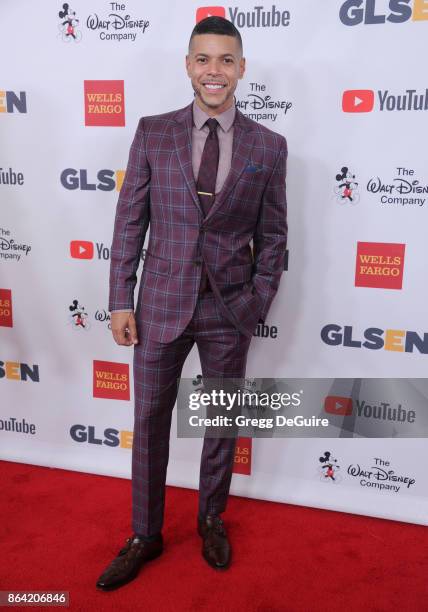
x=124, y=328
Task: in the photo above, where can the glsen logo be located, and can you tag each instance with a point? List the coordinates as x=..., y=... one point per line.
x=334, y=404
x=108, y=180
x=68, y=25
x=9, y=177
x=403, y=190
x=375, y=338
x=12, y=424
x=115, y=26
x=104, y=103
x=210, y=11
x=358, y=101
x=83, y=249
x=11, y=102
x=355, y=12
x=242, y=459
x=256, y=18
x=329, y=469
x=266, y=331
x=9, y=248
x=13, y=370
x=379, y=264
x=260, y=106
x=6, y=308
x=110, y=436
x=346, y=189
x=111, y=380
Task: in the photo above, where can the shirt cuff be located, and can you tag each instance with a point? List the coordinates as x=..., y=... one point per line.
x=124, y=310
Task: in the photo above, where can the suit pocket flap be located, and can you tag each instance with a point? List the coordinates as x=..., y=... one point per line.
x=157, y=265
x=239, y=274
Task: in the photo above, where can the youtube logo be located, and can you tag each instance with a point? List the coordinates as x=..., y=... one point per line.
x=81, y=249
x=358, y=101
x=334, y=404
x=210, y=11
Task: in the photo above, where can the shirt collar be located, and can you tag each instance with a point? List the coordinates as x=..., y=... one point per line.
x=225, y=119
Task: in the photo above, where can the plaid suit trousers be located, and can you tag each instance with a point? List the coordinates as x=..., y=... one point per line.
x=157, y=366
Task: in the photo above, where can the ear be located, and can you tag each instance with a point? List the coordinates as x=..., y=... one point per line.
x=241, y=67
x=187, y=63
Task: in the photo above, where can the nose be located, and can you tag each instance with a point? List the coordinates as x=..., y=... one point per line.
x=214, y=67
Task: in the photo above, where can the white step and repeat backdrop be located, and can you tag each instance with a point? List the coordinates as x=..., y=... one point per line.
x=344, y=82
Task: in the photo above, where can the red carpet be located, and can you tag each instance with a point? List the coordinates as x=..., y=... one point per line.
x=59, y=529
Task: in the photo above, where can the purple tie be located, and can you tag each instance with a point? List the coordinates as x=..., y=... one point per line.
x=208, y=168
x=206, y=182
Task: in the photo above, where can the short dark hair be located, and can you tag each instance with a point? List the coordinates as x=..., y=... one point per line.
x=216, y=25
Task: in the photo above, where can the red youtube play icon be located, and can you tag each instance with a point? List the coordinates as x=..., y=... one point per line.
x=210, y=11
x=81, y=249
x=358, y=101
x=334, y=404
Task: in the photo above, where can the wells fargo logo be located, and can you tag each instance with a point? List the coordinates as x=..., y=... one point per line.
x=242, y=460
x=379, y=264
x=6, y=308
x=104, y=103
x=111, y=380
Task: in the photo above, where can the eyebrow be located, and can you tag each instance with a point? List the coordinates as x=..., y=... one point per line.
x=206, y=55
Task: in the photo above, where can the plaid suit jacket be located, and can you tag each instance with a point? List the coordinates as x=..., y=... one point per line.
x=159, y=191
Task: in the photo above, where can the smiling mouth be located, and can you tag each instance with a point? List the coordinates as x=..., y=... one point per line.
x=213, y=86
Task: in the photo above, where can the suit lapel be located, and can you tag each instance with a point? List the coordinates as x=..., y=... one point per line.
x=243, y=140
x=182, y=133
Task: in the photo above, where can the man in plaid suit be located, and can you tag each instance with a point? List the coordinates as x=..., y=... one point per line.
x=207, y=180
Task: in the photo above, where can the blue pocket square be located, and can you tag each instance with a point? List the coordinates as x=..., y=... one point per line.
x=253, y=168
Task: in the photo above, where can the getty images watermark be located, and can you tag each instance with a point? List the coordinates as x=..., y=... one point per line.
x=231, y=402
x=305, y=408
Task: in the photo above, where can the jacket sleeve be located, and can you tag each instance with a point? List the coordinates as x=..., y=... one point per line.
x=270, y=237
x=130, y=225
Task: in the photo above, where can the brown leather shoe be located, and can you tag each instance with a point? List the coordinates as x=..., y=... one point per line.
x=128, y=562
x=215, y=546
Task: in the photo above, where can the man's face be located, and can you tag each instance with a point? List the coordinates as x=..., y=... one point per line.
x=214, y=65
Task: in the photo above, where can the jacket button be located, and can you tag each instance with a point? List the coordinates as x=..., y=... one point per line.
x=197, y=262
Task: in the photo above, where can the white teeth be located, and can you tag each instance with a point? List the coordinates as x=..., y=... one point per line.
x=208, y=86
